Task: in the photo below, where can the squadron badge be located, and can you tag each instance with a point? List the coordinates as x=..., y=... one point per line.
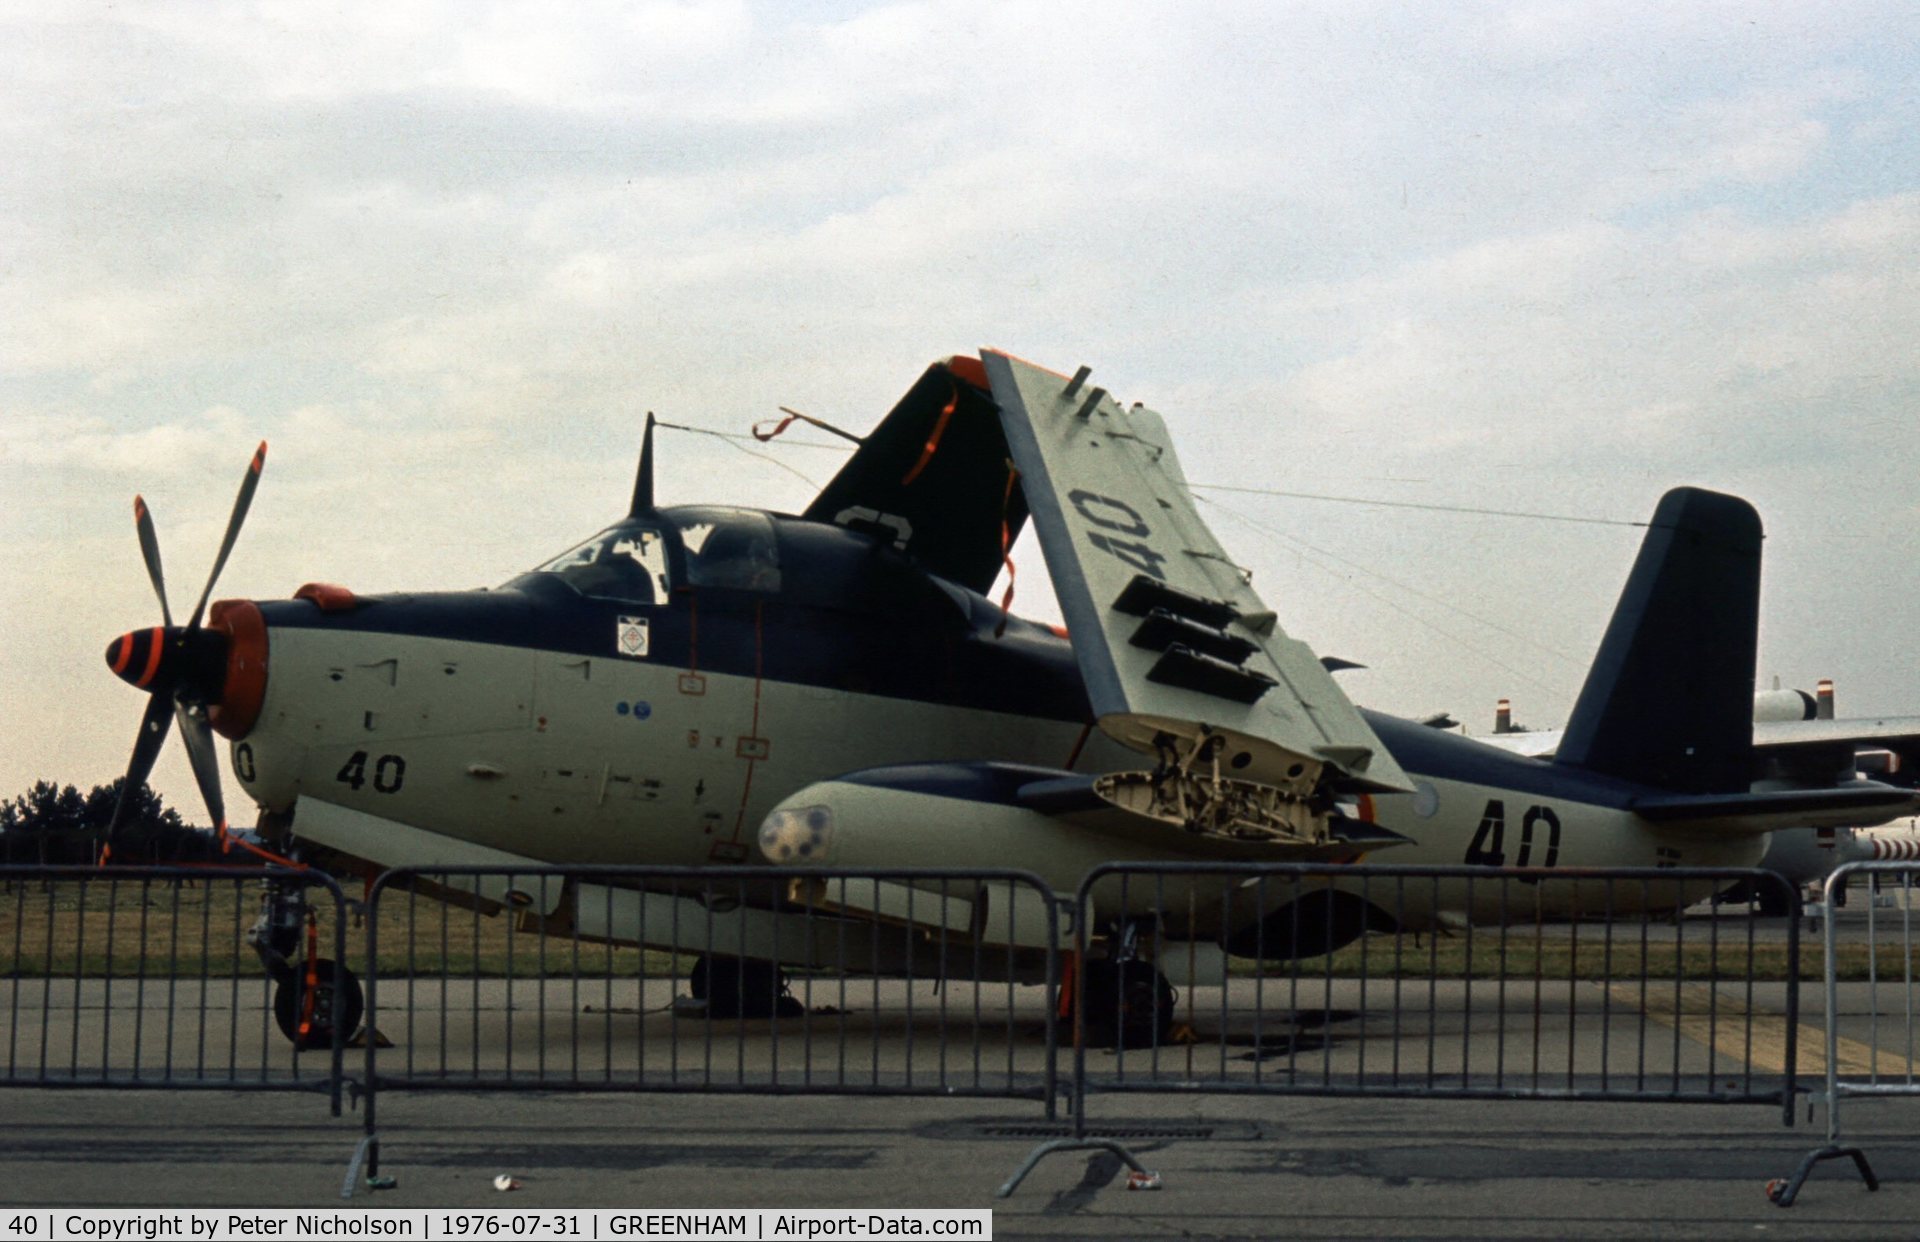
x=630, y=637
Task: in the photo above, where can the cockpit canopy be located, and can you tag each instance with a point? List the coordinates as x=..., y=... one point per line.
x=727, y=547
x=626, y=562
x=809, y=565
x=631, y=562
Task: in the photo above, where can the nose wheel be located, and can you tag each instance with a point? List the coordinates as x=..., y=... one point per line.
x=322, y=996
x=313, y=996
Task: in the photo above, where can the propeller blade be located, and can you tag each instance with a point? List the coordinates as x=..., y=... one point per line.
x=146, y=748
x=240, y=506
x=198, y=736
x=150, y=553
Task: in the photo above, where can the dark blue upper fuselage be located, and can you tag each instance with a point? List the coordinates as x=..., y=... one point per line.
x=843, y=611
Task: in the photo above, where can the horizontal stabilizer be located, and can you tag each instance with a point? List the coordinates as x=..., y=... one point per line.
x=1858, y=804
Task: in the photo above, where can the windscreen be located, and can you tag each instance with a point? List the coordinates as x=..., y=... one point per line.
x=627, y=563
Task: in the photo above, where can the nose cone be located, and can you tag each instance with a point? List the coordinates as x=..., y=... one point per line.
x=172, y=659
x=138, y=657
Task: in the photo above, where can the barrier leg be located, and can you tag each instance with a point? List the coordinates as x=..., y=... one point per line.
x=1139, y=1178
x=1783, y=1191
x=367, y=1154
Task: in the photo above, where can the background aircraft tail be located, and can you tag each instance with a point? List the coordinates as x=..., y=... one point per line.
x=1669, y=699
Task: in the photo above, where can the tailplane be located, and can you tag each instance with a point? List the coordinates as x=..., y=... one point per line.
x=1669, y=700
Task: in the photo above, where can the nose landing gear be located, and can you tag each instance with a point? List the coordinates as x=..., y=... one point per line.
x=314, y=996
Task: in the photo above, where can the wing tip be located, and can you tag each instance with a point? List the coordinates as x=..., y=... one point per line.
x=1025, y=362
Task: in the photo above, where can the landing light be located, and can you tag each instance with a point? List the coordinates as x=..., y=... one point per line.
x=797, y=835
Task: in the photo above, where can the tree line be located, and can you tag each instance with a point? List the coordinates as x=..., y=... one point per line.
x=57, y=824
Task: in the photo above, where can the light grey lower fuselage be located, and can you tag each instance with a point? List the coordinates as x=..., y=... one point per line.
x=569, y=758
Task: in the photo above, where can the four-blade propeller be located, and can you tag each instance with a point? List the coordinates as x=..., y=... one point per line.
x=182, y=668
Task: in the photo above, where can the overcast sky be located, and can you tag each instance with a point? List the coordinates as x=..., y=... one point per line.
x=1543, y=257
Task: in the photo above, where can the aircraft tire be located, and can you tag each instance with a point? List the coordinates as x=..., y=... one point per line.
x=732, y=987
x=1128, y=1004
x=1772, y=902
x=329, y=978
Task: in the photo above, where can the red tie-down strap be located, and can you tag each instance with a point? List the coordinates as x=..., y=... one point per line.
x=1006, y=549
x=795, y=416
x=933, y=441
x=228, y=841
x=313, y=977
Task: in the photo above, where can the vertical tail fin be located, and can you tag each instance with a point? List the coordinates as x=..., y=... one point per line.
x=1669, y=700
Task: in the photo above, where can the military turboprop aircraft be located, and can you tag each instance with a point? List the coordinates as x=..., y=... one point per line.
x=704, y=684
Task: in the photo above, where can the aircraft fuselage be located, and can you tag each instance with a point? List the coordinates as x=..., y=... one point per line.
x=550, y=724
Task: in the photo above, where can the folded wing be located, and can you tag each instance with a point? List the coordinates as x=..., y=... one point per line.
x=1182, y=659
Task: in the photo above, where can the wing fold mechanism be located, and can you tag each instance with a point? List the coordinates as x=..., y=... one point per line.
x=1250, y=737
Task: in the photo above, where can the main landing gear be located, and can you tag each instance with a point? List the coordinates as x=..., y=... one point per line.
x=738, y=987
x=312, y=995
x=1125, y=1000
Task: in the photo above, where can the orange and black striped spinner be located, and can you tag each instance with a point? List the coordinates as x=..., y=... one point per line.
x=138, y=657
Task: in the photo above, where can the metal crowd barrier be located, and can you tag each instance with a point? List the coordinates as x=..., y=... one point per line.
x=1282, y=980
x=889, y=982
x=1869, y=1003
x=1434, y=982
x=144, y=977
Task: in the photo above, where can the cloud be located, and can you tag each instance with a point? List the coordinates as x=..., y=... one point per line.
x=444, y=259
x=1707, y=326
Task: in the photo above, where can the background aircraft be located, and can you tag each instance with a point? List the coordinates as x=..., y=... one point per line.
x=714, y=685
x=1795, y=734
